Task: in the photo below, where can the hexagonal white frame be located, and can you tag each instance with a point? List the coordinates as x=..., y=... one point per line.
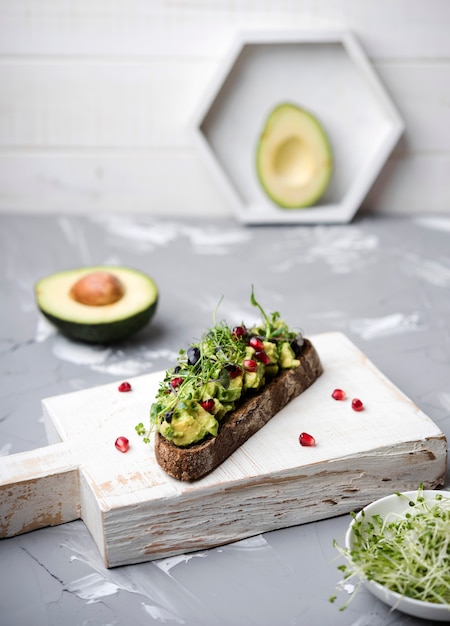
x=325, y=72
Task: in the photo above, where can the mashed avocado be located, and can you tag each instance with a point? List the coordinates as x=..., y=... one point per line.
x=215, y=374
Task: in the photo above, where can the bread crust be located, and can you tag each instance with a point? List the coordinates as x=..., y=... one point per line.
x=195, y=461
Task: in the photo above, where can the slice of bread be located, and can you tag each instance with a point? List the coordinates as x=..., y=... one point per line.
x=194, y=461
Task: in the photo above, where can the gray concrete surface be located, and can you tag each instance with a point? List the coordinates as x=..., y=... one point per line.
x=385, y=282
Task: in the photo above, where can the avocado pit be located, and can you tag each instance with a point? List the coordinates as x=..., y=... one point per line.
x=97, y=289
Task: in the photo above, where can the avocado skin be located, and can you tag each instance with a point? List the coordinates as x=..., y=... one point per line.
x=106, y=333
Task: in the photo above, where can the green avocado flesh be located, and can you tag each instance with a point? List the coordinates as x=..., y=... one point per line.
x=214, y=375
x=104, y=323
x=293, y=160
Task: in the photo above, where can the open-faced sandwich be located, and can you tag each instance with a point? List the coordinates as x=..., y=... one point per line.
x=224, y=388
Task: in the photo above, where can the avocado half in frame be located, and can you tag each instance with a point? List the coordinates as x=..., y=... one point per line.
x=294, y=159
x=99, y=304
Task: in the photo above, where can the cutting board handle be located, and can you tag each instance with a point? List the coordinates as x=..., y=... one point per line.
x=38, y=488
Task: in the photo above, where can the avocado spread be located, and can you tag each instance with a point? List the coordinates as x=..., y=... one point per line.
x=216, y=373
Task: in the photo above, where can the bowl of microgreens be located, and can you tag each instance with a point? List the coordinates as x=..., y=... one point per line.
x=399, y=547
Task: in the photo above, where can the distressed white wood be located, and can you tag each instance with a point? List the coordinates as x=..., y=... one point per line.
x=126, y=182
x=109, y=86
x=419, y=186
x=135, y=105
x=101, y=104
x=54, y=176
x=38, y=488
x=421, y=90
x=153, y=182
x=135, y=512
x=417, y=28
x=118, y=179
x=325, y=72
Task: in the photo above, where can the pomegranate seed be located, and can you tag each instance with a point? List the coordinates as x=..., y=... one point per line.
x=233, y=370
x=208, y=405
x=250, y=365
x=306, y=440
x=238, y=331
x=338, y=394
x=263, y=357
x=257, y=344
x=122, y=444
x=124, y=387
x=176, y=382
x=357, y=405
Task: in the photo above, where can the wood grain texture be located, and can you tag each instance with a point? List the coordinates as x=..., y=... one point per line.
x=135, y=512
x=199, y=28
x=109, y=87
x=37, y=489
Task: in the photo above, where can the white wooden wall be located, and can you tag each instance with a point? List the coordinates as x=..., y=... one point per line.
x=97, y=96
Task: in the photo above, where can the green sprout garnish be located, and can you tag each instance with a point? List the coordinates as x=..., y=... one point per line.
x=268, y=322
x=409, y=553
x=212, y=359
x=274, y=327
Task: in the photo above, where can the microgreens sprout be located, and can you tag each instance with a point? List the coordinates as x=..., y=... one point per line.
x=409, y=553
x=263, y=313
x=215, y=311
x=274, y=327
x=220, y=349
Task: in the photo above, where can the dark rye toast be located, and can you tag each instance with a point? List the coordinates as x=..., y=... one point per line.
x=196, y=460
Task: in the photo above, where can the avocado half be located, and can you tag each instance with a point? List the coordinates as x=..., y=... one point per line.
x=101, y=304
x=294, y=160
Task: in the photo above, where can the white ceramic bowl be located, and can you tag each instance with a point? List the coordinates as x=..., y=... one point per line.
x=399, y=505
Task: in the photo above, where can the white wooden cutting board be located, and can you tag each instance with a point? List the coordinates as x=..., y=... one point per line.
x=135, y=512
